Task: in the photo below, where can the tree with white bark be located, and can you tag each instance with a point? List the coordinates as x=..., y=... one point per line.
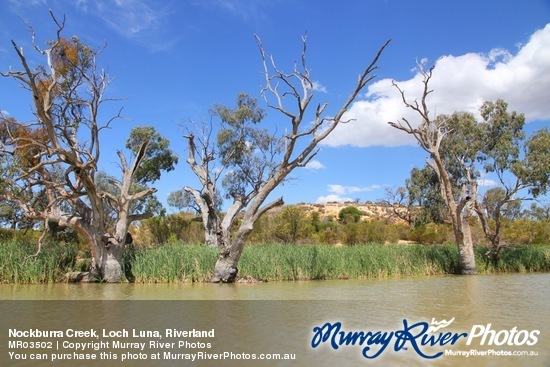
x=459, y=198
x=460, y=148
x=54, y=159
x=238, y=159
x=255, y=161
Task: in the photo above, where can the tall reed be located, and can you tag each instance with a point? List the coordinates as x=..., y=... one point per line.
x=277, y=262
x=18, y=265
x=524, y=258
x=174, y=262
x=179, y=262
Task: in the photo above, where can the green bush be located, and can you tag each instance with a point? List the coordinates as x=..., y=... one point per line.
x=349, y=214
x=432, y=234
x=159, y=230
x=527, y=231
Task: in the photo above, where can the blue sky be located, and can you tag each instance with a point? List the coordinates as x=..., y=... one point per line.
x=171, y=60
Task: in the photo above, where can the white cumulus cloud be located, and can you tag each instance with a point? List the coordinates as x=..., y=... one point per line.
x=314, y=165
x=332, y=198
x=347, y=190
x=318, y=87
x=337, y=193
x=459, y=83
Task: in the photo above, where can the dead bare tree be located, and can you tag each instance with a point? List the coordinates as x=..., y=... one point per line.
x=253, y=179
x=205, y=198
x=67, y=93
x=398, y=204
x=430, y=134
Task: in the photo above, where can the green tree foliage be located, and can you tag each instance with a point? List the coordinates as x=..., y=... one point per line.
x=425, y=193
x=239, y=134
x=247, y=150
x=533, y=170
x=349, y=214
x=460, y=147
x=497, y=205
x=58, y=155
x=502, y=134
x=526, y=231
x=158, y=156
x=292, y=225
x=180, y=200
x=538, y=212
x=367, y=231
x=431, y=234
x=160, y=230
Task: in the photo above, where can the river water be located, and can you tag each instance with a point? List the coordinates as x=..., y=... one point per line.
x=280, y=317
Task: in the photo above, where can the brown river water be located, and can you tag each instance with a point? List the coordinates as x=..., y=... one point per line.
x=497, y=320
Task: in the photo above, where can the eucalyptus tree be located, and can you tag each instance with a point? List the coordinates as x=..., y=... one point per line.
x=291, y=225
x=58, y=153
x=180, y=200
x=239, y=156
x=349, y=214
x=425, y=194
x=10, y=215
x=398, y=204
x=521, y=166
x=431, y=134
x=418, y=202
x=460, y=148
x=538, y=212
x=252, y=160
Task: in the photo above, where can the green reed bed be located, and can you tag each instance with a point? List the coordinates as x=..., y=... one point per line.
x=311, y=262
x=178, y=262
x=173, y=263
x=516, y=259
x=17, y=265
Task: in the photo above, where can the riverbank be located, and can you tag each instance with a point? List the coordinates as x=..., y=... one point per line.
x=179, y=262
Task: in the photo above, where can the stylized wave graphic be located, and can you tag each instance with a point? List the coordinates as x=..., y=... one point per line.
x=439, y=325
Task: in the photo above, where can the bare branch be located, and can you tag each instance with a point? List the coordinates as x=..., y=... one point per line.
x=54, y=172
x=40, y=243
x=268, y=207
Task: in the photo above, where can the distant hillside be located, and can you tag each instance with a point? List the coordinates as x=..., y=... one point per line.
x=370, y=211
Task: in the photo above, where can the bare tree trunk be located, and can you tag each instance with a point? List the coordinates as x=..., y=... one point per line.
x=263, y=175
x=460, y=217
x=466, y=255
x=212, y=231
x=493, y=236
x=106, y=254
x=106, y=258
x=225, y=269
x=211, y=236
x=430, y=134
x=107, y=263
x=230, y=248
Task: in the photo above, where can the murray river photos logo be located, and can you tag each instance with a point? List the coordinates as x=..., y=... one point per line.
x=419, y=337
